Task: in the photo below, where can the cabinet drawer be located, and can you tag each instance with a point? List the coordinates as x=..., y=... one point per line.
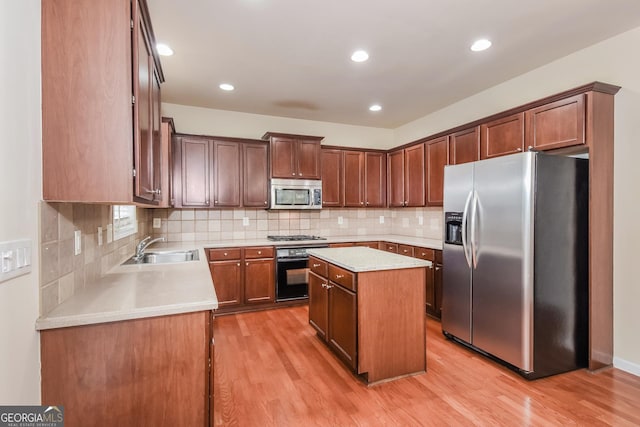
x=222, y=254
x=424, y=253
x=259, y=252
x=438, y=257
x=342, y=277
x=372, y=245
x=340, y=245
x=405, y=250
x=318, y=266
x=389, y=247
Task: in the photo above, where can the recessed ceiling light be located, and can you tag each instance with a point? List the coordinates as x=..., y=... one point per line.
x=359, y=56
x=164, y=50
x=375, y=107
x=226, y=86
x=480, y=45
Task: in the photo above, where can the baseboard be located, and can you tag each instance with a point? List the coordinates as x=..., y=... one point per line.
x=624, y=365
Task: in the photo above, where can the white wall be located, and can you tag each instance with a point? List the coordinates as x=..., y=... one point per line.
x=614, y=61
x=20, y=190
x=206, y=121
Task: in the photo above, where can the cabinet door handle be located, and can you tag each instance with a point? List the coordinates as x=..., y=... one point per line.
x=316, y=265
x=339, y=276
x=325, y=286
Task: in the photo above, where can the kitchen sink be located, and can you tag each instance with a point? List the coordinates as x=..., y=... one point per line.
x=165, y=257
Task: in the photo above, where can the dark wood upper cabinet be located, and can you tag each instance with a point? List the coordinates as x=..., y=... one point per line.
x=464, y=146
x=406, y=169
x=256, y=175
x=167, y=130
x=191, y=172
x=332, y=177
x=375, y=181
x=100, y=99
x=226, y=169
x=396, y=176
x=437, y=159
x=502, y=136
x=414, y=175
x=557, y=124
x=294, y=156
x=353, y=179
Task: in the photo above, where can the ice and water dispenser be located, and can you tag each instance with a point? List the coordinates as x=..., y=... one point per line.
x=453, y=228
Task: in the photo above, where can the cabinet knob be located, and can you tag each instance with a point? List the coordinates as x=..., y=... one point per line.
x=423, y=254
x=238, y=264
x=405, y=251
x=518, y=149
x=247, y=264
x=362, y=203
x=259, y=252
x=293, y=174
x=225, y=254
x=215, y=202
x=265, y=202
x=437, y=268
x=324, y=285
x=300, y=174
x=367, y=203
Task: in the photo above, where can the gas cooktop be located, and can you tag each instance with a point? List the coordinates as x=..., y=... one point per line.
x=294, y=237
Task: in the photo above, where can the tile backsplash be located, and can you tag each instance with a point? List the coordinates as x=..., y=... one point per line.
x=201, y=225
x=62, y=273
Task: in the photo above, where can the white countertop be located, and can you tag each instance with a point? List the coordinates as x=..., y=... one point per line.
x=139, y=291
x=359, y=259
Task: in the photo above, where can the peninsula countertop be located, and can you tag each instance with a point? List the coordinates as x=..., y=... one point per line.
x=139, y=291
x=359, y=259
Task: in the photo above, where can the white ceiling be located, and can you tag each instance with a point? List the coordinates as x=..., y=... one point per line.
x=291, y=57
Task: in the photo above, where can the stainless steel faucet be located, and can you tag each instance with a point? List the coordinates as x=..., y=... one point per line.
x=144, y=243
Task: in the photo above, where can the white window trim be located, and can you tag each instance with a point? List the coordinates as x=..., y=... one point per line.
x=125, y=222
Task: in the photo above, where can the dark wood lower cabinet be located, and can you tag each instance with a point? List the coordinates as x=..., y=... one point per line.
x=343, y=323
x=144, y=372
x=319, y=304
x=243, y=276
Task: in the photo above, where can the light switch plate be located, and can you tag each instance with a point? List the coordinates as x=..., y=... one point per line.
x=245, y=221
x=340, y=220
x=15, y=259
x=420, y=220
x=381, y=219
x=77, y=242
x=109, y=233
x=99, y=236
x=157, y=223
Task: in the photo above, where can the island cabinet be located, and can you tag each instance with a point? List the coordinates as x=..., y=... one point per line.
x=101, y=80
x=294, y=156
x=370, y=312
x=243, y=277
x=155, y=371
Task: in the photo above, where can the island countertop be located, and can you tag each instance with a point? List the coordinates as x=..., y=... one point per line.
x=358, y=259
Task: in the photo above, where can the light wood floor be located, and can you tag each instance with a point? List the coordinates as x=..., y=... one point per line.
x=271, y=370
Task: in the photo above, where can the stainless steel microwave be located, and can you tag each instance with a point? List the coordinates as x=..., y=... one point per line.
x=296, y=194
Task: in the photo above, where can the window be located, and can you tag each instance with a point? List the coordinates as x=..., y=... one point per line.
x=124, y=221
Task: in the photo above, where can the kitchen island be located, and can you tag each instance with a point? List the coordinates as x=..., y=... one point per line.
x=368, y=306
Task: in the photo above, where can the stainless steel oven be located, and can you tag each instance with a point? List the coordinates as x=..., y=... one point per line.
x=292, y=272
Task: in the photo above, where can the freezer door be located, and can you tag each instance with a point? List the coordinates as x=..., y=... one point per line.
x=503, y=255
x=456, y=276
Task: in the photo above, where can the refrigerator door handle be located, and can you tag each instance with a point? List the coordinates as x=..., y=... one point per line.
x=466, y=248
x=474, y=226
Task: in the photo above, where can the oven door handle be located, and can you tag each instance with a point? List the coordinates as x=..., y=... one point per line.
x=281, y=260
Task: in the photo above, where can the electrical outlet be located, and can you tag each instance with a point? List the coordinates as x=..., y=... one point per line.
x=109, y=233
x=381, y=219
x=340, y=220
x=77, y=242
x=245, y=221
x=157, y=223
x=420, y=220
x=99, y=236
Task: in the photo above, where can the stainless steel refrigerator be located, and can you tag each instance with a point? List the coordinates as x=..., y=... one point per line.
x=515, y=260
